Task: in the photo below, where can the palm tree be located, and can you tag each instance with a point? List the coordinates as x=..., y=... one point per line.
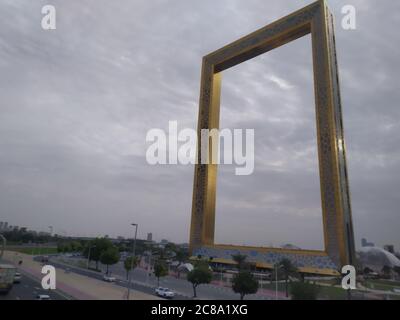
x=181, y=257
x=288, y=269
x=386, y=270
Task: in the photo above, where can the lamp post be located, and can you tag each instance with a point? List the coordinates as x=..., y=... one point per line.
x=88, y=258
x=149, y=257
x=276, y=280
x=132, y=260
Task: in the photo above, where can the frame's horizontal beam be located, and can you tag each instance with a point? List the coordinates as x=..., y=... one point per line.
x=264, y=47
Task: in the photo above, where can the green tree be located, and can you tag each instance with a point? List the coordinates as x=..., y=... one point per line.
x=201, y=274
x=386, y=270
x=97, y=247
x=67, y=247
x=304, y=291
x=75, y=246
x=160, y=270
x=130, y=263
x=60, y=247
x=367, y=271
x=244, y=283
x=397, y=270
x=288, y=269
x=109, y=257
x=180, y=256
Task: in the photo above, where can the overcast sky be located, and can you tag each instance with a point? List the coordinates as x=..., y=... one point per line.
x=76, y=104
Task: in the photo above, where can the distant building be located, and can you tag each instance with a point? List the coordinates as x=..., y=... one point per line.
x=389, y=248
x=149, y=236
x=164, y=242
x=1, y=225
x=365, y=243
x=376, y=258
x=290, y=247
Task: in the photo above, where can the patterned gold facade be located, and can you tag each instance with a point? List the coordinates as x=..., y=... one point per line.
x=336, y=209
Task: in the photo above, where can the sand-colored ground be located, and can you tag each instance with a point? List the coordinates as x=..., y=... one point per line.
x=74, y=285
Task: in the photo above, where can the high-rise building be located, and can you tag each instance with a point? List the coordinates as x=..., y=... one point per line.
x=149, y=236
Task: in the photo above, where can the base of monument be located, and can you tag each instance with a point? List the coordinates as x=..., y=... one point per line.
x=306, y=261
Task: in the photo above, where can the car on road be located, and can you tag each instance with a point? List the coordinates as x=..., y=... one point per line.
x=108, y=278
x=43, y=297
x=44, y=259
x=165, y=292
x=17, y=277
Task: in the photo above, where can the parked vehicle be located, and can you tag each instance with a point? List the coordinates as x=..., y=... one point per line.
x=108, y=278
x=165, y=292
x=42, y=297
x=7, y=273
x=17, y=277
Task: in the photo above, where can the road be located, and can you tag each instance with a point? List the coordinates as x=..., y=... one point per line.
x=145, y=283
x=28, y=289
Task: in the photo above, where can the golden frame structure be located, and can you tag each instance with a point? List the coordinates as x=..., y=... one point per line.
x=335, y=197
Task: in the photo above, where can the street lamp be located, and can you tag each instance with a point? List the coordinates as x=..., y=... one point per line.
x=277, y=267
x=132, y=259
x=88, y=258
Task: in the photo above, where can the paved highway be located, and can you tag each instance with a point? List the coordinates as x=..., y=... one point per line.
x=28, y=289
x=144, y=283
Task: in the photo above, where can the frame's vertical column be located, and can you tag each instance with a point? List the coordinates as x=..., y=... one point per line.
x=339, y=242
x=209, y=213
x=204, y=188
x=348, y=246
x=326, y=147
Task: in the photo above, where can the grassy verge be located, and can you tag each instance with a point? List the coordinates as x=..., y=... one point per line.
x=34, y=250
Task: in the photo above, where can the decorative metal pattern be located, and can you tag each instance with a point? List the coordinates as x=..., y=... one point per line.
x=269, y=257
x=336, y=209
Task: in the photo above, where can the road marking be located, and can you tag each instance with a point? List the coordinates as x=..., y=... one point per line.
x=36, y=288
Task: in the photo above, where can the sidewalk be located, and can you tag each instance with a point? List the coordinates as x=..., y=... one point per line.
x=74, y=285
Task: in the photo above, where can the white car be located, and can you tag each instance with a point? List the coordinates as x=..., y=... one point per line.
x=17, y=277
x=42, y=297
x=108, y=278
x=164, y=292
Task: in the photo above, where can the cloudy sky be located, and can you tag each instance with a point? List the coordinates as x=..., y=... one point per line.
x=76, y=104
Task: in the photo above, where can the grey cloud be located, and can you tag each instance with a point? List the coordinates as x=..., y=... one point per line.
x=77, y=103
